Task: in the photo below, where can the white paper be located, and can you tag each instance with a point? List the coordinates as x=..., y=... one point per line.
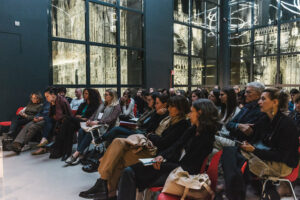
x=100, y=115
x=147, y=161
x=88, y=128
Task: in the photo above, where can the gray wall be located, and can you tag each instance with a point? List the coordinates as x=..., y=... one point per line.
x=159, y=42
x=23, y=52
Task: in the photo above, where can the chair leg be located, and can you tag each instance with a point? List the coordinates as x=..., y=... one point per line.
x=294, y=195
x=264, y=187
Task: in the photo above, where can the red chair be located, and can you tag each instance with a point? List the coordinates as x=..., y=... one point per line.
x=8, y=123
x=135, y=109
x=74, y=112
x=212, y=172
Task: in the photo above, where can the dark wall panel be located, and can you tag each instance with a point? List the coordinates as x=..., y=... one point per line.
x=159, y=42
x=23, y=52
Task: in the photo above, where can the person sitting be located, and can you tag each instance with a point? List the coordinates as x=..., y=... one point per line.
x=229, y=109
x=273, y=152
x=189, y=152
x=291, y=105
x=62, y=91
x=75, y=103
x=32, y=128
x=59, y=110
x=295, y=115
x=127, y=104
x=197, y=94
x=214, y=96
x=71, y=124
x=121, y=153
x=140, y=100
x=240, y=127
x=109, y=113
x=26, y=115
x=147, y=123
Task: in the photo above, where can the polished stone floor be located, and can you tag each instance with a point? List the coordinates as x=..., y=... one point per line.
x=27, y=177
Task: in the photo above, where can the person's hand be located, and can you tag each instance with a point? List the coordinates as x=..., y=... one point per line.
x=247, y=147
x=158, y=160
x=92, y=123
x=161, y=111
x=36, y=119
x=246, y=128
x=84, y=119
x=78, y=116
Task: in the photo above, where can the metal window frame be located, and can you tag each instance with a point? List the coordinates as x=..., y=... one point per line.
x=88, y=43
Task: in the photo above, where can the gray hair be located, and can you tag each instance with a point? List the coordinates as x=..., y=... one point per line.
x=257, y=86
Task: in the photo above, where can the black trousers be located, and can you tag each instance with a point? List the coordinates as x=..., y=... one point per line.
x=65, y=136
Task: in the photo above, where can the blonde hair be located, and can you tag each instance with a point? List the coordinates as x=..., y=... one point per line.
x=114, y=95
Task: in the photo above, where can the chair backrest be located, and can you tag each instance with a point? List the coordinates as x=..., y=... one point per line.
x=74, y=112
x=19, y=110
x=135, y=109
x=212, y=170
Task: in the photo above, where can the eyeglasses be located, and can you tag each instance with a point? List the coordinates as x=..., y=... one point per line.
x=105, y=94
x=222, y=95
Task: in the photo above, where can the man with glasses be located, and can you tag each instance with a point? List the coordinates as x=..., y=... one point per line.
x=241, y=126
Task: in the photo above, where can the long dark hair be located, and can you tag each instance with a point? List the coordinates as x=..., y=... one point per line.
x=181, y=103
x=51, y=90
x=198, y=93
x=164, y=98
x=209, y=117
x=231, y=103
x=216, y=93
x=94, y=97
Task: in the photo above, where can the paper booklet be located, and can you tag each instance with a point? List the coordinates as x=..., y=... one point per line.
x=147, y=161
x=88, y=128
x=134, y=119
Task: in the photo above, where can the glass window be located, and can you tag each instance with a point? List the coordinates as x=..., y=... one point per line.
x=265, y=41
x=240, y=44
x=180, y=70
x=290, y=69
x=289, y=38
x=71, y=92
x=181, y=10
x=135, y=4
x=103, y=65
x=131, y=29
x=181, y=38
x=211, y=17
x=265, y=69
x=68, y=19
x=265, y=12
x=102, y=24
x=197, y=70
x=211, y=72
x=196, y=41
x=131, y=67
x=69, y=63
x=211, y=46
x=197, y=12
x=234, y=15
x=110, y=1
x=240, y=71
x=244, y=14
x=289, y=10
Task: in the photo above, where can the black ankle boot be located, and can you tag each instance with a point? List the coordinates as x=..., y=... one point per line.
x=98, y=191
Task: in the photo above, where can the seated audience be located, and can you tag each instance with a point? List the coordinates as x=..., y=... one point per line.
x=147, y=123
x=236, y=89
x=293, y=92
x=189, y=152
x=127, y=104
x=140, y=100
x=197, y=94
x=172, y=92
x=26, y=115
x=295, y=114
x=214, y=96
x=240, y=127
x=32, y=128
x=274, y=152
x=75, y=103
x=59, y=110
x=121, y=153
x=62, y=91
x=109, y=113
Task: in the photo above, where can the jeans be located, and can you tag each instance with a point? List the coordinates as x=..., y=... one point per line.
x=117, y=132
x=16, y=125
x=127, y=187
x=84, y=140
x=47, y=128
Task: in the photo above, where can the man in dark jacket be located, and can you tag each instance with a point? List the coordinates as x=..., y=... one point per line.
x=241, y=126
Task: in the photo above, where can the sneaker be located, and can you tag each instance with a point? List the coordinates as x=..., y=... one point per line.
x=42, y=143
x=72, y=160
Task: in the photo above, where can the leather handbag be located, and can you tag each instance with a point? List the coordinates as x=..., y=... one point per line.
x=181, y=183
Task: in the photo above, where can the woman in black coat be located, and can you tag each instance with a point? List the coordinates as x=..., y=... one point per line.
x=274, y=147
x=189, y=152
